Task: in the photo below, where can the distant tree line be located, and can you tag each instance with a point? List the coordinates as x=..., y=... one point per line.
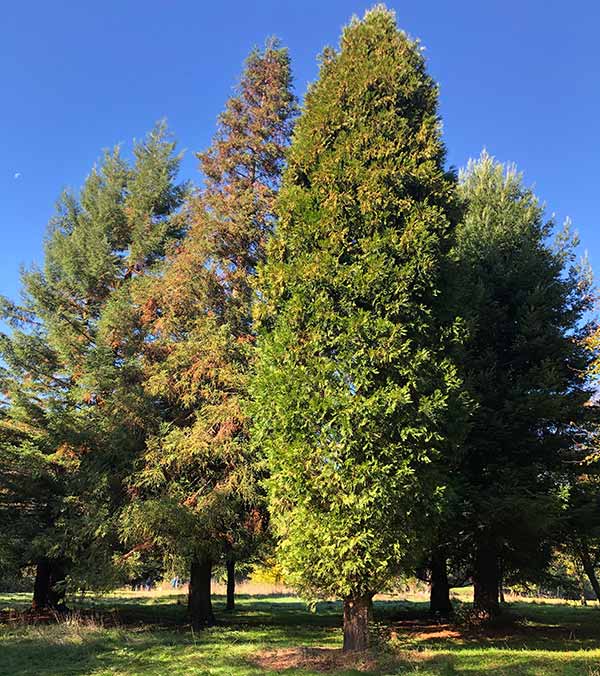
x=336, y=349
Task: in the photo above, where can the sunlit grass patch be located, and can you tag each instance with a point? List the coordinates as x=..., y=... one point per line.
x=132, y=634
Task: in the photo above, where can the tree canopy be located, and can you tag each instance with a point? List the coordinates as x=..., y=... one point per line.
x=353, y=380
x=337, y=355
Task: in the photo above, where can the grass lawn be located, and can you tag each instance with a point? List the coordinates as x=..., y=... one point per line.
x=145, y=634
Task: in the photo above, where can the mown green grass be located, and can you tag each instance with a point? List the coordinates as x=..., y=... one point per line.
x=146, y=635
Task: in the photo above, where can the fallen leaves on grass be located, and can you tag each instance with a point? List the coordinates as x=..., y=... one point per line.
x=329, y=660
x=317, y=659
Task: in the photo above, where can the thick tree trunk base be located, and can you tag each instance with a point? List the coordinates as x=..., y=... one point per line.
x=439, y=597
x=230, y=605
x=486, y=583
x=356, y=624
x=199, y=600
x=588, y=568
x=47, y=590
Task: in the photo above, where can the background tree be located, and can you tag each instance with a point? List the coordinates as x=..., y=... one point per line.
x=352, y=386
x=197, y=492
x=523, y=299
x=577, y=530
x=70, y=389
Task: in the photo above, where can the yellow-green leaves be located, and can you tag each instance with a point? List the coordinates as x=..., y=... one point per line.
x=353, y=383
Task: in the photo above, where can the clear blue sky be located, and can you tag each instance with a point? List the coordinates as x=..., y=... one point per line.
x=520, y=77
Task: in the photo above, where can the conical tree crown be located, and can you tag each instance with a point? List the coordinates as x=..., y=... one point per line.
x=352, y=384
x=198, y=316
x=366, y=167
x=233, y=215
x=524, y=299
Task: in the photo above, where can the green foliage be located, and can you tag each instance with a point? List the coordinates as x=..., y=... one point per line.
x=74, y=400
x=423, y=373
x=523, y=299
x=195, y=490
x=353, y=387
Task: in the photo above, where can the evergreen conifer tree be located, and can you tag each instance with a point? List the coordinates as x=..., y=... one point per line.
x=523, y=299
x=353, y=386
x=74, y=395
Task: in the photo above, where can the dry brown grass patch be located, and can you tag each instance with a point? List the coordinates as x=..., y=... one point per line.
x=317, y=659
x=331, y=660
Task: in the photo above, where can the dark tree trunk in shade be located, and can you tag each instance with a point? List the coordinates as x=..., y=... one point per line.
x=48, y=591
x=41, y=585
x=582, y=598
x=356, y=623
x=230, y=585
x=439, y=597
x=588, y=567
x=486, y=580
x=199, y=601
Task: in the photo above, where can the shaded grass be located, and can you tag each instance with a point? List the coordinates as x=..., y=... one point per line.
x=147, y=636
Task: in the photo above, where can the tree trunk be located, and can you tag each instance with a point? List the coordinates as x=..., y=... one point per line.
x=486, y=581
x=47, y=592
x=439, y=595
x=230, y=585
x=501, y=583
x=588, y=567
x=582, y=598
x=356, y=623
x=199, y=601
x=41, y=586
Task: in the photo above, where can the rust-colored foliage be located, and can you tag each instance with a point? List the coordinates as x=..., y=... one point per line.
x=197, y=315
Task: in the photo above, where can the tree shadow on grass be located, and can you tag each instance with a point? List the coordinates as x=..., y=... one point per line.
x=149, y=640
x=546, y=627
x=57, y=651
x=525, y=626
x=246, y=651
x=250, y=611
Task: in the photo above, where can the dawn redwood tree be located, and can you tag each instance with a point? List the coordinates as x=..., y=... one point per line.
x=352, y=385
x=197, y=495
x=523, y=298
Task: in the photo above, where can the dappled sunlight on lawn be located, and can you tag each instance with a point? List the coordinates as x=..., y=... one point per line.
x=145, y=634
